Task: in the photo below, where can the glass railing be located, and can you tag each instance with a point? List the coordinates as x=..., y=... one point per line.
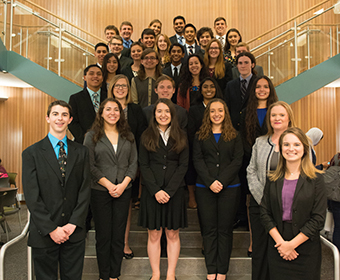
x=46, y=39
x=296, y=49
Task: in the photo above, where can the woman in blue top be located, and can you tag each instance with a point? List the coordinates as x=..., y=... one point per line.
x=217, y=156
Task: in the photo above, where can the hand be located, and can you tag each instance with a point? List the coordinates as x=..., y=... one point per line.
x=111, y=187
x=325, y=164
x=216, y=186
x=162, y=197
x=69, y=228
x=287, y=250
x=59, y=235
x=117, y=190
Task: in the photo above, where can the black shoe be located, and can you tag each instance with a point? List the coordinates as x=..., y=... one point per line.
x=129, y=256
x=249, y=253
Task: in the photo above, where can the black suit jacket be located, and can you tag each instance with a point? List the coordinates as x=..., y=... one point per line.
x=222, y=82
x=167, y=71
x=124, y=62
x=51, y=201
x=195, y=118
x=127, y=71
x=217, y=161
x=83, y=113
x=232, y=96
x=308, y=209
x=198, y=51
x=173, y=39
x=163, y=169
x=182, y=115
x=136, y=120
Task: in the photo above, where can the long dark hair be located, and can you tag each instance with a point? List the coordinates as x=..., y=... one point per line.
x=251, y=110
x=122, y=124
x=150, y=137
x=228, y=131
x=218, y=92
x=227, y=44
x=106, y=59
x=186, y=76
x=158, y=70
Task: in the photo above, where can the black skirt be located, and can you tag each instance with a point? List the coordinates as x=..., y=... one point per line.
x=172, y=215
x=307, y=266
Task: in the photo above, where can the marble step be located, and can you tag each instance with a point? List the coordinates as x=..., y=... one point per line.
x=184, y=277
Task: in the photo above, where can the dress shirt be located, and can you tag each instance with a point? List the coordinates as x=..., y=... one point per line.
x=127, y=44
x=173, y=69
x=223, y=39
x=91, y=92
x=188, y=49
x=165, y=134
x=247, y=79
x=54, y=142
x=179, y=41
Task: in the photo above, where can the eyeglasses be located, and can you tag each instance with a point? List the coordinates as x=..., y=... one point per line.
x=120, y=86
x=150, y=58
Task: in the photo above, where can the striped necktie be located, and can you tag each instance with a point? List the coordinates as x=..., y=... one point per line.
x=95, y=101
x=191, y=50
x=243, y=88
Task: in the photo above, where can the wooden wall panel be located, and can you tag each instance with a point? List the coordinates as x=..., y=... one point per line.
x=23, y=123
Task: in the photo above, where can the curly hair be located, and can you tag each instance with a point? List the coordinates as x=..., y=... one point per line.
x=186, y=76
x=150, y=137
x=122, y=124
x=228, y=131
x=251, y=110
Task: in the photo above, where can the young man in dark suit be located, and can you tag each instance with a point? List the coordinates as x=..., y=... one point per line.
x=85, y=103
x=100, y=50
x=179, y=23
x=191, y=46
x=56, y=183
x=116, y=47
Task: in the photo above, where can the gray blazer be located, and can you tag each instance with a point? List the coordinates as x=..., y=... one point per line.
x=105, y=162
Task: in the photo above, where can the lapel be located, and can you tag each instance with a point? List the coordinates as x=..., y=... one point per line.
x=121, y=143
x=50, y=156
x=88, y=103
x=72, y=157
x=298, y=188
x=213, y=141
x=162, y=144
x=106, y=142
x=279, y=186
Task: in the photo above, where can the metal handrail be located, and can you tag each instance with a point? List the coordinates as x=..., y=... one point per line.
x=336, y=256
x=9, y=244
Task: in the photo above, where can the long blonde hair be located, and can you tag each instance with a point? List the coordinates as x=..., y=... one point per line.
x=114, y=81
x=167, y=53
x=219, y=66
x=307, y=168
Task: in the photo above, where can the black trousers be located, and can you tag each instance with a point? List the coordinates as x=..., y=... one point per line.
x=260, y=269
x=217, y=212
x=110, y=217
x=69, y=256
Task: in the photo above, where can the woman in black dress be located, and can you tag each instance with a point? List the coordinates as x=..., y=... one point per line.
x=293, y=211
x=163, y=157
x=217, y=158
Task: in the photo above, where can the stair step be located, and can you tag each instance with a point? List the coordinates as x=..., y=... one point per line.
x=189, y=238
x=184, y=277
x=186, y=266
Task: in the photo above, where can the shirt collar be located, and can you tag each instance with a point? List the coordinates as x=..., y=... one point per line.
x=91, y=92
x=247, y=79
x=54, y=140
x=178, y=67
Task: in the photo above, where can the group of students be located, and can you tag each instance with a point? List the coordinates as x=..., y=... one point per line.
x=221, y=139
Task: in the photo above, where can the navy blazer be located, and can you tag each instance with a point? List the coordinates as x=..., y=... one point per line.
x=217, y=161
x=163, y=169
x=308, y=209
x=51, y=201
x=232, y=96
x=83, y=113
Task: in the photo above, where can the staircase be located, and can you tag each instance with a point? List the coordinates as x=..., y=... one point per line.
x=190, y=266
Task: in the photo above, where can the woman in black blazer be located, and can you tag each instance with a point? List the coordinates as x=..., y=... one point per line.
x=219, y=68
x=120, y=90
x=293, y=211
x=113, y=165
x=163, y=158
x=217, y=158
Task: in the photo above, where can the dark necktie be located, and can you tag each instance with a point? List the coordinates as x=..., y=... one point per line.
x=62, y=159
x=175, y=72
x=95, y=101
x=191, y=50
x=243, y=89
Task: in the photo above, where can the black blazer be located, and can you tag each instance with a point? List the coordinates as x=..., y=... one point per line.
x=195, y=118
x=173, y=39
x=232, y=96
x=124, y=62
x=83, y=113
x=308, y=209
x=136, y=120
x=167, y=71
x=127, y=71
x=181, y=113
x=163, y=169
x=198, y=51
x=51, y=201
x=217, y=161
x=227, y=76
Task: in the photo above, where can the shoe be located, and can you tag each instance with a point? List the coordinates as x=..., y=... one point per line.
x=249, y=253
x=128, y=256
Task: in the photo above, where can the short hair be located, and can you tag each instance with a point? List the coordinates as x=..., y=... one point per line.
x=203, y=30
x=242, y=44
x=189, y=25
x=101, y=44
x=117, y=37
x=61, y=103
x=165, y=78
x=289, y=112
x=177, y=45
x=179, y=17
x=148, y=31
x=90, y=66
x=112, y=27
x=126, y=23
x=219, y=19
